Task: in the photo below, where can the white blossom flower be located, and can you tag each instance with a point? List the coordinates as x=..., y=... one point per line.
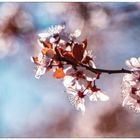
x=51, y=31
x=68, y=81
x=89, y=54
x=132, y=101
x=98, y=95
x=79, y=75
x=131, y=85
x=71, y=77
x=76, y=97
x=133, y=63
x=40, y=71
x=95, y=94
x=42, y=62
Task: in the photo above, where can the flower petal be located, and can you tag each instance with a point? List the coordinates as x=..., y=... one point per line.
x=125, y=101
x=40, y=71
x=44, y=35
x=93, y=97
x=68, y=80
x=134, y=61
x=81, y=106
x=52, y=40
x=102, y=96
x=128, y=63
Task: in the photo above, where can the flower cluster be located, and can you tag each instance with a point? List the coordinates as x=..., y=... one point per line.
x=131, y=85
x=69, y=59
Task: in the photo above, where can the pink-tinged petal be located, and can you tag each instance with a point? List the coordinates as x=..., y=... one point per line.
x=43, y=35
x=71, y=90
x=102, y=96
x=137, y=108
x=125, y=101
x=90, y=78
x=138, y=92
x=85, y=54
x=86, y=92
x=131, y=103
x=81, y=107
x=92, y=64
x=76, y=101
x=51, y=31
x=128, y=63
x=78, y=86
x=134, y=61
x=131, y=90
x=40, y=71
x=52, y=40
x=93, y=97
x=68, y=81
x=32, y=60
x=68, y=48
x=71, y=96
x=128, y=77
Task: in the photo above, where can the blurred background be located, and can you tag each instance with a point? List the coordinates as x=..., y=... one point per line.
x=40, y=108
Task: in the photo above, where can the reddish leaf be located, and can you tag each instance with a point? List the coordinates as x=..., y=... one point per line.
x=48, y=52
x=59, y=73
x=44, y=50
x=47, y=44
x=35, y=60
x=78, y=50
x=81, y=94
x=68, y=55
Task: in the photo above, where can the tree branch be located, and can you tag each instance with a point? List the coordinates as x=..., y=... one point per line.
x=94, y=70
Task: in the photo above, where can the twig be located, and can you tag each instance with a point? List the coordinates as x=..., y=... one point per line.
x=94, y=70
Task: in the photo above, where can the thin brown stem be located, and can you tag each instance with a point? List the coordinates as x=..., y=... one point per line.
x=96, y=70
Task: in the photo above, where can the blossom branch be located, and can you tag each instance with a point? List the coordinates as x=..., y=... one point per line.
x=94, y=70
x=72, y=62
